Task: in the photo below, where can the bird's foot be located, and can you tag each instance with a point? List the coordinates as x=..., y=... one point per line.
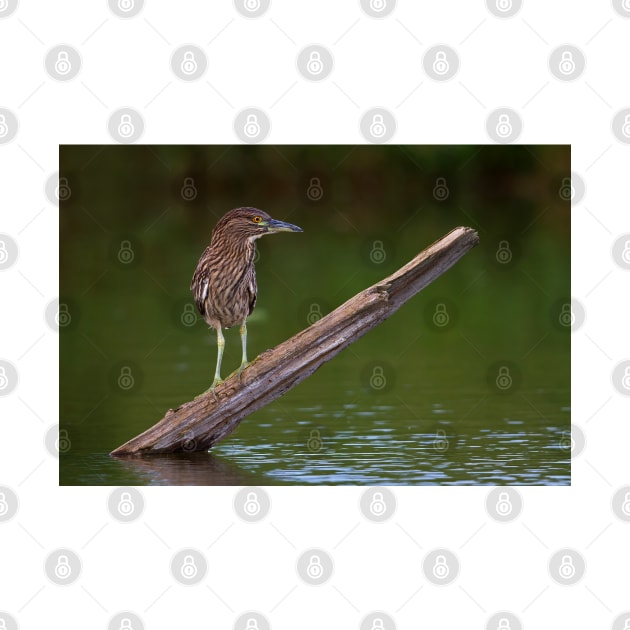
x=217, y=381
x=241, y=368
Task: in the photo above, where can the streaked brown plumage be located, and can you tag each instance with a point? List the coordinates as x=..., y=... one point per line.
x=224, y=282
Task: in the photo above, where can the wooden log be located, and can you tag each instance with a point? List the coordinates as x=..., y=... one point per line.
x=199, y=424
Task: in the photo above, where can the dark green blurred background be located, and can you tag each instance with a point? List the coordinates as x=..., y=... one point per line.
x=135, y=219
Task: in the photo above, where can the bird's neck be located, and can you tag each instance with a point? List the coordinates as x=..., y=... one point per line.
x=241, y=249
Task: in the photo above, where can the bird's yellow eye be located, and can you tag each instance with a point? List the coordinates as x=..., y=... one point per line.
x=257, y=219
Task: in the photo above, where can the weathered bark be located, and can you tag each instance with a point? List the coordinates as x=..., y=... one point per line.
x=199, y=424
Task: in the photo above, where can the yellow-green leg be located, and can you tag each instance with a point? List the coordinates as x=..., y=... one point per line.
x=244, y=363
x=217, y=373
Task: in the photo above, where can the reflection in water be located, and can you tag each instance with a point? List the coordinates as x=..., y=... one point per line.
x=187, y=469
x=363, y=450
x=404, y=437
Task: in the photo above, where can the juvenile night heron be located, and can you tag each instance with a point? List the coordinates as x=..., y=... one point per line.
x=224, y=282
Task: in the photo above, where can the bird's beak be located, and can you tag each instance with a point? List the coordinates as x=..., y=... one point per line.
x=281, y=226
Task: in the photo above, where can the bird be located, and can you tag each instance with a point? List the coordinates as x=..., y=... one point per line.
x=224, y=282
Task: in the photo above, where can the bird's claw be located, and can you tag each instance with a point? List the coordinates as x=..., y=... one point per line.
x=241, y=368
x=217, y=381
x=240, y=371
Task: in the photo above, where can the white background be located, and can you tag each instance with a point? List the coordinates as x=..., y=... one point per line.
x=252, y=63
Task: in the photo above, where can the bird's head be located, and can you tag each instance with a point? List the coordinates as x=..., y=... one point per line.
x=252, y=223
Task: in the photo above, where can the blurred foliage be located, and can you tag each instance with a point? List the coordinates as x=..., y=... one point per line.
x=369, y=194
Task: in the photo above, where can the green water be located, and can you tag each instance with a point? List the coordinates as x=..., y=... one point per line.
x=479, y=396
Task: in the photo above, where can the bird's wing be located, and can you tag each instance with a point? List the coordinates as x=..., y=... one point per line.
x=252, y=292
x=199, y=283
